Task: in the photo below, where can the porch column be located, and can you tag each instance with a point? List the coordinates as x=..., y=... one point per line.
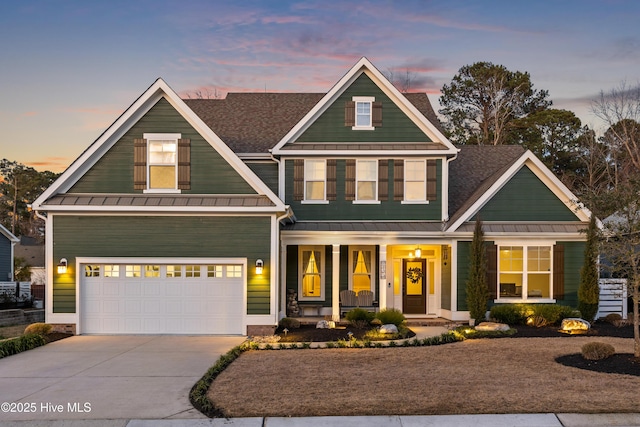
x=382, y=268
x=335, y=281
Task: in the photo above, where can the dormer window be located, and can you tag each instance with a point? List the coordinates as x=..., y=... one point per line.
x=363, y=113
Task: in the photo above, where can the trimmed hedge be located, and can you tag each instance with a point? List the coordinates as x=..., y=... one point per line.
x=18, y=345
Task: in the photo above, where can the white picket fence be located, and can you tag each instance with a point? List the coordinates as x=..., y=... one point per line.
x=10, y=289
x=613, y=297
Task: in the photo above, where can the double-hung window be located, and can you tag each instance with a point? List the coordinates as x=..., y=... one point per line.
x=415, y=180
x=362, y=268
x=163, y=161
x=315, y=175
x=367, y=180
x=525, y=272
x=363, y=112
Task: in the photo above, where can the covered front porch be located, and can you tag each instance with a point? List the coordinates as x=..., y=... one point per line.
x=409, y=274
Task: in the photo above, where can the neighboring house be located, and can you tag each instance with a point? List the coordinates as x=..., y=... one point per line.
x=202, y=216
x=32, y=251
x=7, y=244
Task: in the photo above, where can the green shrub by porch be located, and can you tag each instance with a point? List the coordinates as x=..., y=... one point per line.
x=359, y=317
x=390, y=316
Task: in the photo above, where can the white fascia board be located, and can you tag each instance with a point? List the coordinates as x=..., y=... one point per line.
x=363, y=66
x=140, y=107
x=528, y=159
x=9, y=235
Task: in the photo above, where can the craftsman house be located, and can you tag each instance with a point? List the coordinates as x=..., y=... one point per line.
x=203, y=216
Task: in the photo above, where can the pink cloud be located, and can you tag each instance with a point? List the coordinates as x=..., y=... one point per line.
x=53, y=164
x=30, y=114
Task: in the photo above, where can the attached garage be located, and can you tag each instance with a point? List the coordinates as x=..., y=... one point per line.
x=162, y=297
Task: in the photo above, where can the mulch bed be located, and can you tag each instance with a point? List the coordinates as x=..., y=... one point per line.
x=56, y=336
x=309, y=333
x=619, y=363
x=602, y=329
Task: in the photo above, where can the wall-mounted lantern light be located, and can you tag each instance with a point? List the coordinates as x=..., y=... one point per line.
x=259, y=266
x=62, y=267
x=418, y=252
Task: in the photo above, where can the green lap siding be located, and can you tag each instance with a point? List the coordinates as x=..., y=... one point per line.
x=526, y=198
x=445, y=281
x=5, y=259
x=210, y=173
x=267, y=172
x=165, y=237
x=341, y=209
x=396, y=126
x=463, y=260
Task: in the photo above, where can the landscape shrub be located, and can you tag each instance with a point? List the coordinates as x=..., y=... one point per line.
x=289, y=323
x=511, y=314
x=612, y=318
x=390, y=316
x=38, y=328
x=597, y=350
x=541, y=315
x=359, y=317
x=20, y=344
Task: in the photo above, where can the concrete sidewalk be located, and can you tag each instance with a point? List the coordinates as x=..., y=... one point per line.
x=486, y=420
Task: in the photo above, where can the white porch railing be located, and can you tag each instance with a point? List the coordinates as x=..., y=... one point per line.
x=613, y=297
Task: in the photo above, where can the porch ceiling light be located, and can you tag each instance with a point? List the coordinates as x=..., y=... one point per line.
x=62, y=266
x=259, y=266
x=418, y=252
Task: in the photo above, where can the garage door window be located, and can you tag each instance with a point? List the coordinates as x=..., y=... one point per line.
x=132, y=271
x=174, y=271
x=214, y=271
x=111, y=271
x=91, y=271
x=192, y=271
x=234, y=271
x=151, y=271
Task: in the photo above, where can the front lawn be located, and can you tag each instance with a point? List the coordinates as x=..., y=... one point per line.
x=470, y=377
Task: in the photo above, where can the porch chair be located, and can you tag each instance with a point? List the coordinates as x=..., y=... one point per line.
x=365, y=300
x=348, y=301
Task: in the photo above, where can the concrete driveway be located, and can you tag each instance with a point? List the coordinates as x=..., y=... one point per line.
x=108, y=377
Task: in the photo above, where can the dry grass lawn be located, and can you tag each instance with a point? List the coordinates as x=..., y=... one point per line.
x=511, y=375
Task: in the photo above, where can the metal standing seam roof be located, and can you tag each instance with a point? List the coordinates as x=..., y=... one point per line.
x=537, y=227
x=139, y=200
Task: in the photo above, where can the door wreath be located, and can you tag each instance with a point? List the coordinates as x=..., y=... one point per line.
x=414, y=274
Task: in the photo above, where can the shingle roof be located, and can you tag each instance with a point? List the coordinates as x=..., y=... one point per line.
x=256, y=122
x=476, y=168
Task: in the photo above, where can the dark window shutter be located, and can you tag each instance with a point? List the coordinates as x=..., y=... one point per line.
x=432, y=188
x=376, y=118
x=350, y=180
x=398, y=179
x=558, y=272
x=350, y=113
x=383, y=180
x=298, y=179
x=184, y=164
x=140, y=164
x=492, y=270
x=331, y=179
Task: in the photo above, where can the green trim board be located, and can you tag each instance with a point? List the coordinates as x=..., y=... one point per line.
x=210, y=172
x=163, y=237
x=525, y=198
x=396, y=126
x=342, y=209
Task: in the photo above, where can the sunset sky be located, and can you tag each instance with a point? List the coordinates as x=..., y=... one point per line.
x=69, y=68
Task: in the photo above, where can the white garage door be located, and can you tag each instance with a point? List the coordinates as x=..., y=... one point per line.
x=161, y=299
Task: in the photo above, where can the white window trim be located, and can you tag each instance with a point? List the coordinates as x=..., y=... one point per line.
x=324, y=196
x=525, y=297
x=374, y=201
x=371, y=249
x=301, y=270
x=161, y=136
x=370, y=100
x=415, y=202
